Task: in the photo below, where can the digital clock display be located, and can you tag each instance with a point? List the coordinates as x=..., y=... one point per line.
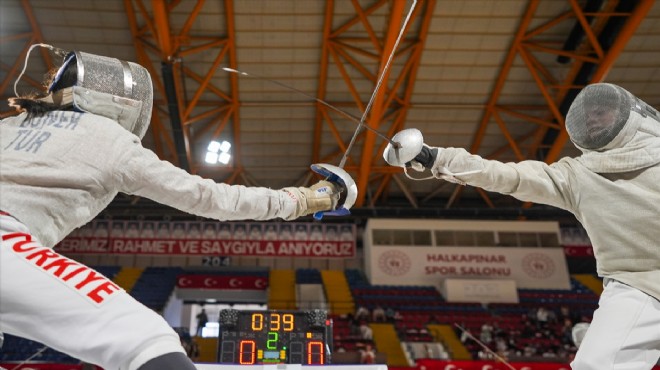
x=272, y=337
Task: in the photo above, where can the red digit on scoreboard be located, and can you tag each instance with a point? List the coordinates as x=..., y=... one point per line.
x=246, y=352
x=315, y=352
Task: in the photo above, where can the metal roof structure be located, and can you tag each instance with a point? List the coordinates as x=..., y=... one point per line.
x=494, y=77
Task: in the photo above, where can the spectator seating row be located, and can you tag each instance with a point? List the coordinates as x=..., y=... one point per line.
x=155, y=286
x=418, y=309
x=308, y=276
x=417, y=305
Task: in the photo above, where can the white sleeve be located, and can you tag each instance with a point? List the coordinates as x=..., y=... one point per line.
x=529, y=181
x=142, y=173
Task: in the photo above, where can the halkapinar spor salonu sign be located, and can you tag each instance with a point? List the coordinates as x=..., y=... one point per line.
x=534, y=268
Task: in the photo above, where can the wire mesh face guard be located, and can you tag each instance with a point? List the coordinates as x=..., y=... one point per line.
x=598, y=114
x=120, y=80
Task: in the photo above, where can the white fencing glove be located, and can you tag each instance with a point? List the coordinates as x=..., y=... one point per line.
x=436, y=160
x=322, y=196
x=408, y=150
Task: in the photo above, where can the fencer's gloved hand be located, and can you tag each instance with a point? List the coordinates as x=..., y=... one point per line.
x=425, y=159
x=438, y=160
x=322, y=196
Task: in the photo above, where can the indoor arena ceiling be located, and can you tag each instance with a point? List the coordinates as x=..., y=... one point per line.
x=493, y=76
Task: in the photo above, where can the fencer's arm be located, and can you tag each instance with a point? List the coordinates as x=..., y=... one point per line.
x=529, y=181
x=142, y=173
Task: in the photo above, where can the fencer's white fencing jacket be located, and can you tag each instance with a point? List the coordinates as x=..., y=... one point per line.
x=59, y=171
x=620, y=211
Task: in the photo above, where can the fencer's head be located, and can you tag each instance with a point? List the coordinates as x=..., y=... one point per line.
x=107, y=86
x=113, y=88
x=598, y=114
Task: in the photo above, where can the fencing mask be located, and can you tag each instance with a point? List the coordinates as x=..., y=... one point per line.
x=616, y=131
x=109, y=87
x=597, y=115
x=113, y=88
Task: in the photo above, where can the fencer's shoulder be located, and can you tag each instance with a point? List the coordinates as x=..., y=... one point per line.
x=97, y=118
x=107, y=126
x=569, y=165
x=567, y=161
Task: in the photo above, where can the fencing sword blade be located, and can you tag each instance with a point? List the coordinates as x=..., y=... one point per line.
x=39, y=352
x=337, y=171
x=232, y=70
x=343, y=113
x=332, y=173
x=377, y=88
x=485, y=347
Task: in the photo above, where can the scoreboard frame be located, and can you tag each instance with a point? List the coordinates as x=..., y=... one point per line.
x=275, y=337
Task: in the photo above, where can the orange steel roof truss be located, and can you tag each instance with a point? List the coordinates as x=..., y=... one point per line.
x=156, y=42
x=552, y=88
x=343, y=50
x=32, y=37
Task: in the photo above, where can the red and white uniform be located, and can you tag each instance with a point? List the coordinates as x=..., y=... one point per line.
x=57, y=172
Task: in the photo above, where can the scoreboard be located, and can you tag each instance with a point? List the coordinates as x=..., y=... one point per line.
x=275, y=337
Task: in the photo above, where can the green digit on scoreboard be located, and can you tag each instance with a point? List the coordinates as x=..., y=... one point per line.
x=271, y=343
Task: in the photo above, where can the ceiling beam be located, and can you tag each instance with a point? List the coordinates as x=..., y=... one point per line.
x=628, y=30
x=163, y=40
x=29, y=36
x=347, y=53
x=163, y=141
x=378, y=107
x=557, y=92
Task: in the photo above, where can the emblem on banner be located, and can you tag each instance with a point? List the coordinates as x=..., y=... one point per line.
x=394, y=263
x=538, y=265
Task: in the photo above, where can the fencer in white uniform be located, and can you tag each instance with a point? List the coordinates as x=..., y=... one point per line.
x=62, y=160
x=613, y=189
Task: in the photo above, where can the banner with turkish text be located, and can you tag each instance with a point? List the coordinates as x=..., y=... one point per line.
x=530, y=268
x=213, y=239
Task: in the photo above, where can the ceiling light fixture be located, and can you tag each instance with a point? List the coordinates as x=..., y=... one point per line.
x=218, y=152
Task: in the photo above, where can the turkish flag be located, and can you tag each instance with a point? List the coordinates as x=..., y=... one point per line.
x=207, y=281
x=579, y=251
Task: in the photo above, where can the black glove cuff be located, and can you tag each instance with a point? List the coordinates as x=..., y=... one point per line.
x=427, y=156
